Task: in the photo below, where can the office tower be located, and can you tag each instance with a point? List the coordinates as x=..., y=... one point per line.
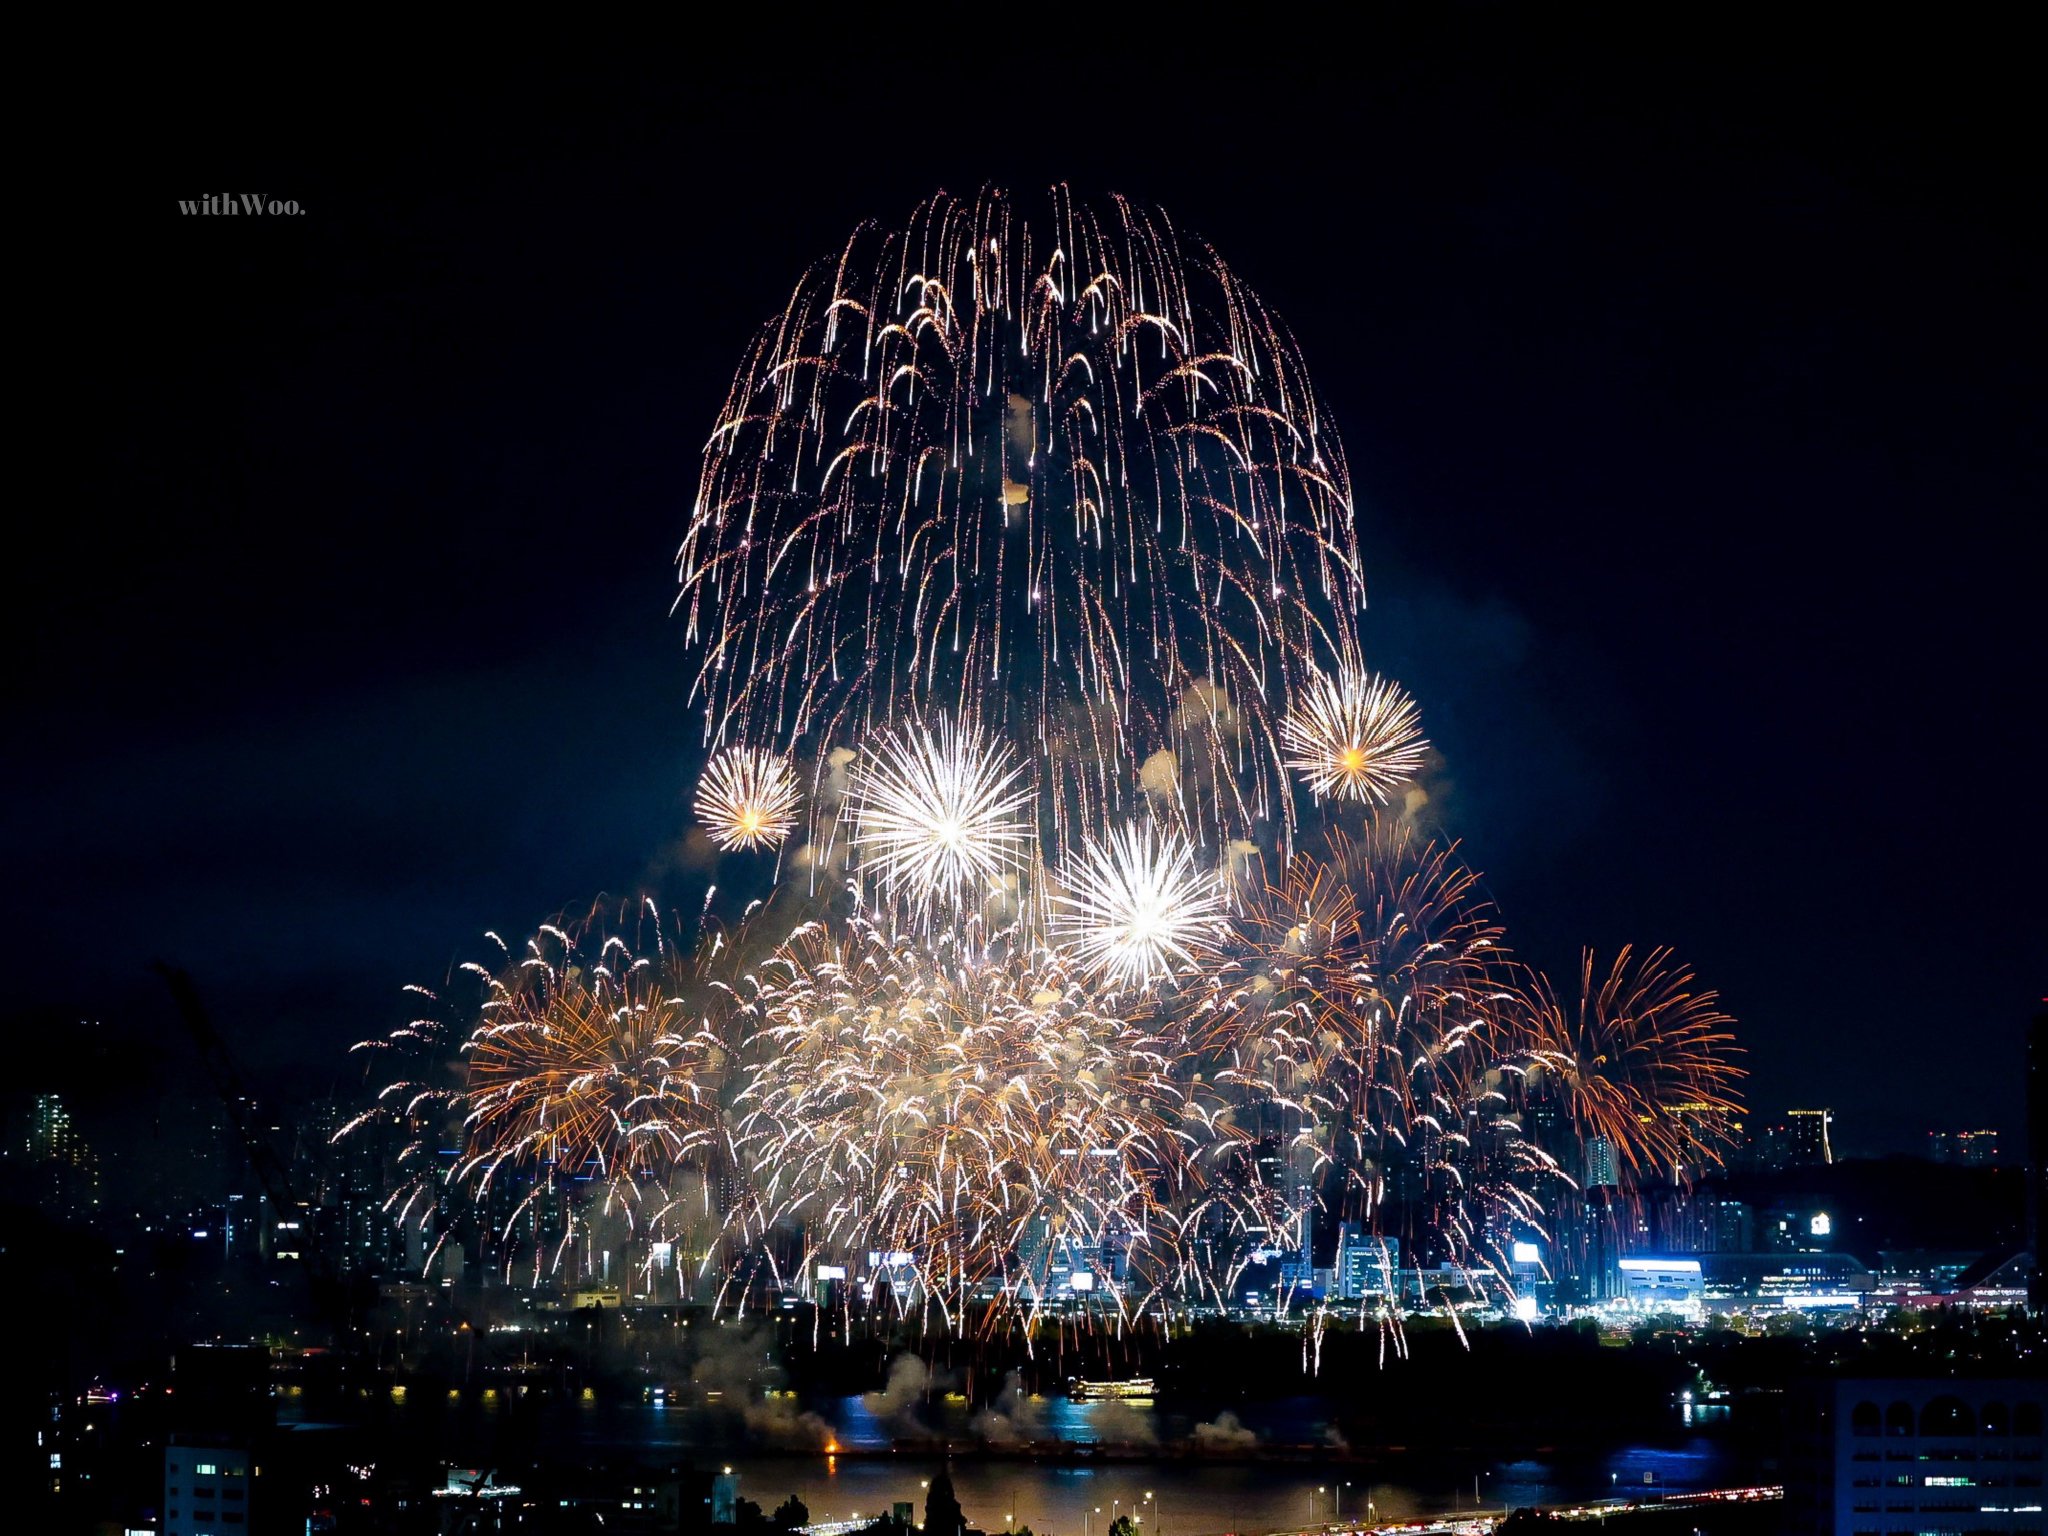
x=1812, y=1141
x=2037, y=1153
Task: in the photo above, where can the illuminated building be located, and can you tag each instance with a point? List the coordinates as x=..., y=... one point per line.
x=1799, y=1282
x=1365, y=1264
x=208, y=1489
x=1812, y=1143
x=63, y=1172
x=1973, y=1149
x=1731, y=1225
x=2037, y=1153
x=1600, y=1164
x=1875, y=1457
x=1662, y=1284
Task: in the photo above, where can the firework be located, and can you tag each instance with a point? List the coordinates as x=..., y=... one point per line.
x=939, y=813
x=1373, y=975
x=747, y=799
x=1032, y=534
x=586, y=1086
x=1643, y=1060
x=584, y=1062
x=1362, y=1024
x=968, y=1102
x=1065, y=473
x=1353, y=736
x=1136, y=905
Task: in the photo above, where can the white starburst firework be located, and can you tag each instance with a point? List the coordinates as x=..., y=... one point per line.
x=1136, y=905
x=939, y=811
x=1354, y=736
x=747, y=799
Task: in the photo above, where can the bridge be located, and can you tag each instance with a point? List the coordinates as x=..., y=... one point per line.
x=1480, y=1523
x=1483, y=1523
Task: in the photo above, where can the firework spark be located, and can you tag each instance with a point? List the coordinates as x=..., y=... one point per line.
x=1643, y=1060
x=747, y=799
x=939, y=813
x=1353, y=736
x=968, y=1101
x=586, y=1084
x=1136, y=905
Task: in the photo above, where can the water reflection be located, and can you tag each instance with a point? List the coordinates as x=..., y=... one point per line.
x=1120, y=1458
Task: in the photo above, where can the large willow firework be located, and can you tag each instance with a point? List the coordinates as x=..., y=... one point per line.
x=1065, y=472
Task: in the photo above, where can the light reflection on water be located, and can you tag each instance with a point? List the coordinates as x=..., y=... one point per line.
x=1188, y=1497
x=1193, y=1499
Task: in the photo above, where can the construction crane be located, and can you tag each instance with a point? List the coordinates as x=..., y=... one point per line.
x=271, y=1174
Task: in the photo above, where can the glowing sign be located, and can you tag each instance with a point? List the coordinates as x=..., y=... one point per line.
x=1527, y=1253
x=1820, y=1224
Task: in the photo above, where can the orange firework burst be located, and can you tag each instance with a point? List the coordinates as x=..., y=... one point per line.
x=1374, y=970
x=583, y=1085
x=1362, y=1026
x=1643, y=1060
x=587, y=1063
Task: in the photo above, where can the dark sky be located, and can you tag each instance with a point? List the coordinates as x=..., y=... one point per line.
x=1692, y=394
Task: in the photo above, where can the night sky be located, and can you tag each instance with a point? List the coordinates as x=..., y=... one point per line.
x=1692, y=399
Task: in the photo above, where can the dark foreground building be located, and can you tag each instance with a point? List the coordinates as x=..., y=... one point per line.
x=2037, y=1152
x=1880, y=1456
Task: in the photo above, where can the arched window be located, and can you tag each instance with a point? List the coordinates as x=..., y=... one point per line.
x=2026, y=1419
x=1947, y=1416
x=1996, y=1421
x=1898, y=1419
x=1866, y=1419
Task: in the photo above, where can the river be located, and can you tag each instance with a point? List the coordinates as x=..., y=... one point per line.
x=1272, y=1465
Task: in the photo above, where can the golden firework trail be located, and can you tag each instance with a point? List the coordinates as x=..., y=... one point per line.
x=1644, y=1059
